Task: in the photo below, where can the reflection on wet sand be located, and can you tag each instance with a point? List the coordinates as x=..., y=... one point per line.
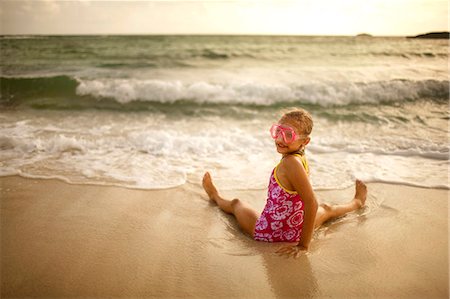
x=289, y=277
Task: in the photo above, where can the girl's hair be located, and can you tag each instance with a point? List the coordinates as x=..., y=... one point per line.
x=301, y=118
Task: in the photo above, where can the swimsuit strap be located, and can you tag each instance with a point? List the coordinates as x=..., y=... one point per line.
x=299, y=152
x=301, y=155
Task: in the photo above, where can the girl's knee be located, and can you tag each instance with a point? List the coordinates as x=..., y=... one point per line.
x=235, y=202
x=326, y=207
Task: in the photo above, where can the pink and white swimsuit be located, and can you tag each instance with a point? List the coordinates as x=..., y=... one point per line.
x=282, y=217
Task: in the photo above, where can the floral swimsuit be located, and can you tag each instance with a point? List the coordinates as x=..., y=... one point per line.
x=282, y=217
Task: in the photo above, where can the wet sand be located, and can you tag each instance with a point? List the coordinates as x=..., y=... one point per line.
x=61, y=240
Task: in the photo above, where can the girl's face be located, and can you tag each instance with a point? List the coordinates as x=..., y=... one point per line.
x=285, y=148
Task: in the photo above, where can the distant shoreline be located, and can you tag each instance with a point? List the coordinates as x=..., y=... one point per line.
x=433, y=35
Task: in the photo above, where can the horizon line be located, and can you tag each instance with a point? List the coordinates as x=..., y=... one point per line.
x=363, y=34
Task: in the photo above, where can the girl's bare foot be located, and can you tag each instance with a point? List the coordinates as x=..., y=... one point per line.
x=360, y=194
x=209, y=187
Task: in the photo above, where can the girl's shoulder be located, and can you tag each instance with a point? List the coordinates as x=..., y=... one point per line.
x=293, y=161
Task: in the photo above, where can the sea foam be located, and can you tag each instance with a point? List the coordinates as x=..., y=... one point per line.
x=256, y=93
x=137, y=150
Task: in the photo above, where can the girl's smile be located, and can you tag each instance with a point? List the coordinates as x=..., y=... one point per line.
x=281, y=145
x=283, y=148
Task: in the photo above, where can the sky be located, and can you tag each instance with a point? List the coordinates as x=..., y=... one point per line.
x=286, y=17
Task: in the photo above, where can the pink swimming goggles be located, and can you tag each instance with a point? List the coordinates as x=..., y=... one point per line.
x=287, y=133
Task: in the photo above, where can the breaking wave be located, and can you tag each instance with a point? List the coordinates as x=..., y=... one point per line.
x=73, y=90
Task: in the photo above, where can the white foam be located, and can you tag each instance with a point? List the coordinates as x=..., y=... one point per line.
x=149, y=151
x=262, y=93
x=62, y=144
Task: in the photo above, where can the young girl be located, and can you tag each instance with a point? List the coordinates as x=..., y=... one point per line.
x=291, y=213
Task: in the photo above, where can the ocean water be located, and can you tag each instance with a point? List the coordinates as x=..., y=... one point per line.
x=157, y=111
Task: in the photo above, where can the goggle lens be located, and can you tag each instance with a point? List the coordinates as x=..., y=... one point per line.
x=288, y=134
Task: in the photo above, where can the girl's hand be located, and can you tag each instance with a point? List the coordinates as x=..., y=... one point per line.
x=292, y=251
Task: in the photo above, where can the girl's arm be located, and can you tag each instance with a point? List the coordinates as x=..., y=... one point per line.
x=296, y=174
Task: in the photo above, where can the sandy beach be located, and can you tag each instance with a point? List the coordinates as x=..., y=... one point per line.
x=62, y=240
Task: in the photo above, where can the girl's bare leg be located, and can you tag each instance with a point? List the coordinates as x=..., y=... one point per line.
x=326, y=212
x=245, y=215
